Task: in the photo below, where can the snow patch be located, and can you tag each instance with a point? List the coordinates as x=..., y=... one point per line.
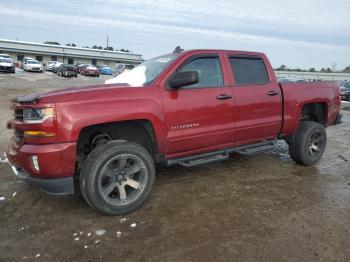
x=100, y=232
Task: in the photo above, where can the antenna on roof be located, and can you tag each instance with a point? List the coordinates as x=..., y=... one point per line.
x=178, y=49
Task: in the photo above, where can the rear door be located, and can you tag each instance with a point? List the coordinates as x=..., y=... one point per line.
x=199, y=117
x=257, y=99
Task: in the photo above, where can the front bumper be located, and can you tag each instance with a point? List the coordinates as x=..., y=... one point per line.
x=56, y=165
x=35, y=69
x=92, y=73
x=58, y=186
x=7, y=69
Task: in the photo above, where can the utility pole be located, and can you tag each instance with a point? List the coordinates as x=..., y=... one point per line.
x=107, y=43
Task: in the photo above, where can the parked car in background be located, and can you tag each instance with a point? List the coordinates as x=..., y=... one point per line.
x=345, y=90
x=50, y=65
x=80, y=67
x=100, y=66
x=106, y=70
x=55, y=67
x=5, y=56
x=24, y=61
x=284, y=80
x=33, y=66
x=119, y=68
x=67, y=70
x=90, y=70
x=7, y=65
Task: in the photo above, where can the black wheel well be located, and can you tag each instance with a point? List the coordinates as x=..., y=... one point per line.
x=316, y=112
x=138, y=131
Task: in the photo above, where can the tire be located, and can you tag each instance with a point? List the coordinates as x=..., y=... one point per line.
x=307, y=145
x=112, y=167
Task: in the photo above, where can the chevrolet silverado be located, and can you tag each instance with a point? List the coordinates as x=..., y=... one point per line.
x=185, y=108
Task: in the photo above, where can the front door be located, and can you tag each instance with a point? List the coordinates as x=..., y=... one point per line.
x=199, y=117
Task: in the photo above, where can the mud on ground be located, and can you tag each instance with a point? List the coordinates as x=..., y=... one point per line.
x=249, y=208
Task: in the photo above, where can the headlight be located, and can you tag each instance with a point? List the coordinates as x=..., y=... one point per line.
x=37, y=115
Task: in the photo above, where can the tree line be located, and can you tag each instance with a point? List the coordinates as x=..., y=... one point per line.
x=312, y=69
x=109, y=48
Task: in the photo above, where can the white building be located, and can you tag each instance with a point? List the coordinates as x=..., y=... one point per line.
x=66, y=54
x=312, y=76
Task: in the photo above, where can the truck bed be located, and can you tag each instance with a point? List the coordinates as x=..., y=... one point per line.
x=295, y=95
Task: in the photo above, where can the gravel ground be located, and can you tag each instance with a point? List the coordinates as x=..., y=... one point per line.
x=262, y=207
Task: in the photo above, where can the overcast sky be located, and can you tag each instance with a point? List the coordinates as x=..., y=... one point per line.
x=298, y=33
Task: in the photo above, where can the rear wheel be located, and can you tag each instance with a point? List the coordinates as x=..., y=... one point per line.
x=307, y=145
x=117, y=177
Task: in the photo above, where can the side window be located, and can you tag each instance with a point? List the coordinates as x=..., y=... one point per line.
x=209, y=71
x=247, y=70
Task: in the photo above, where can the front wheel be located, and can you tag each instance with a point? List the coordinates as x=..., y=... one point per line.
x=117, y=177
x=308, y=144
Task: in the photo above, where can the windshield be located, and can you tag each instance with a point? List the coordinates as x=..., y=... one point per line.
x=32, y=62
x=5, y=60
x=144, y=73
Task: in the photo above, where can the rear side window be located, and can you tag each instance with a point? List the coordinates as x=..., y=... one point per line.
x=208, y=69
x=249, y=71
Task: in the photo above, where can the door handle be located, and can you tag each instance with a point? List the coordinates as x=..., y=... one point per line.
x=272, y=93
x=223, y=97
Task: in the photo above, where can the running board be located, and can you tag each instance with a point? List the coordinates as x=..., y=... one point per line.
x=220, y=155
x=254, y=148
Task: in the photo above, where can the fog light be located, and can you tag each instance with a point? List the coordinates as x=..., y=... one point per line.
x=35, y=162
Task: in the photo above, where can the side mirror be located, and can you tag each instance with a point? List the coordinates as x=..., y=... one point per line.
x=180, y=79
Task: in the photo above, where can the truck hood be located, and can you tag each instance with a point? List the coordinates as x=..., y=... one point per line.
x=5, y=64
x=69, y=94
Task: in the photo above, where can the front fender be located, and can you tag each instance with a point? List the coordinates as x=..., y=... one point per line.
x=74, y=116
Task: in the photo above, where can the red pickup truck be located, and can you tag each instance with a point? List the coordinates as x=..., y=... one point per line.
x=185, y=108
